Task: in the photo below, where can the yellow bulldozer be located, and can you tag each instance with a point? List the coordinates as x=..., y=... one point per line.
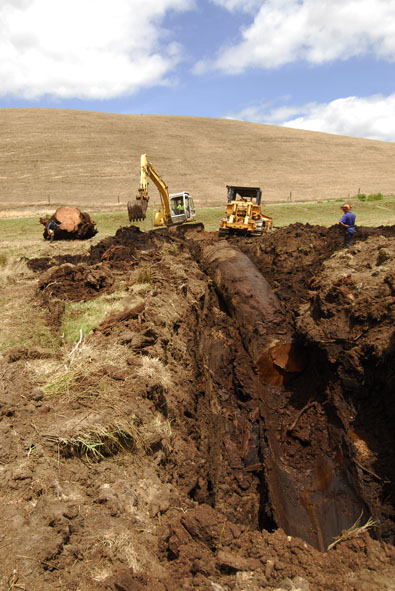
x=243, y=212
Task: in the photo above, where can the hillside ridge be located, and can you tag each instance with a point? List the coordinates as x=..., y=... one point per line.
x=84, y=158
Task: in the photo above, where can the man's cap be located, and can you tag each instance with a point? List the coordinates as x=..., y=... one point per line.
x=346, y=206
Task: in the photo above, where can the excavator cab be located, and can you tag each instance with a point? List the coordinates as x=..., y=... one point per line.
x=182, y=207
x=182, y=210
x=244, y=194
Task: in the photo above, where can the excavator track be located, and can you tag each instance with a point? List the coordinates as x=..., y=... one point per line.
x=189, y=227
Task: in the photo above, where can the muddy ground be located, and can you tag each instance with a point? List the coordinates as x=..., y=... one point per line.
x=219, y=433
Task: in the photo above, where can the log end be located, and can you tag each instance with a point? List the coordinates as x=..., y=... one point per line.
x=280, y=363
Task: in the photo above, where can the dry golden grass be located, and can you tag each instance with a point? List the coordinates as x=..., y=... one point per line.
x=152, y=370
x=52, y=157
x=123, y=545
x=12, y=268
x=355, y=531
x=100, y=441
x=22, y=322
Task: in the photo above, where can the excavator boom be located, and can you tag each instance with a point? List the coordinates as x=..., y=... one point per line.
x=137, y=210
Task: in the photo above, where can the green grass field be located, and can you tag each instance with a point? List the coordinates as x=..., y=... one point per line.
x=324, y=213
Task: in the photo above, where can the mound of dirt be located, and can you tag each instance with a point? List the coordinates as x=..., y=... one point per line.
x=231, y=428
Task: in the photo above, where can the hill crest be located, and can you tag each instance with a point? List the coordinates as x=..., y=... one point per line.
x=88, y=158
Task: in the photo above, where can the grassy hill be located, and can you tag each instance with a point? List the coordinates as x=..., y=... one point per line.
x=92, y=159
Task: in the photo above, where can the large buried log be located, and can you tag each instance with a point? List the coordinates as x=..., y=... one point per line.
x=68, y=223
x=314, y=495
x=267, y=335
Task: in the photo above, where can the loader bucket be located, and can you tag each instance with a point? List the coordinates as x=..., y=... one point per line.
x=137, y=210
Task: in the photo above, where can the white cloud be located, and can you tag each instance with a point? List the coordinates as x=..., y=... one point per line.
x=284, y=31
x=372, y=117
x=85, y=48
x=242, y=5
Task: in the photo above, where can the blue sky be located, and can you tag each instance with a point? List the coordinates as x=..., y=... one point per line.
x=321, y=65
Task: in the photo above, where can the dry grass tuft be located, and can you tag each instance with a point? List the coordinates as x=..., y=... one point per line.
x=69, y=376
x=121, y=544
x=87, y=354
x=142, y=290
x=12, y=269
x=62, y=384
x=354, y=531
x=154, y=371
x=144, y=274
x=102, y=441
x=162, y=426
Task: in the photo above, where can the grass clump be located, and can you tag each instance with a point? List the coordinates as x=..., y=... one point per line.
x=12, y=268
x=375, y=197
x=82, y=317
x=370, y=197
x=354, y=531
x=144, y=275
x=100, y=442
x=154, y=372
x=23, y=324
x=77, y=373
x=162, y=425
x=62, y=384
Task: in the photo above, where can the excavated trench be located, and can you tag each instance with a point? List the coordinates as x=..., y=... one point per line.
x=285, y=450
x=280, y=404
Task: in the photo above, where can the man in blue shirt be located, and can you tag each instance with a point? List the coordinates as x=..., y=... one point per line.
x=347, y=221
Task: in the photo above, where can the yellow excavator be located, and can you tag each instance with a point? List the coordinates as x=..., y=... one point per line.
x=176, y=208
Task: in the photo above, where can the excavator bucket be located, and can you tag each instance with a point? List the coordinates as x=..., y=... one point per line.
x=137, y=210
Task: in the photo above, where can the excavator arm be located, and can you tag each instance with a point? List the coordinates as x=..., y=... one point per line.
x=137, y=211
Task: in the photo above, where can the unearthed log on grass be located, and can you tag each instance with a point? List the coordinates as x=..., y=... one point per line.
x=249, y=299
x=68, y=223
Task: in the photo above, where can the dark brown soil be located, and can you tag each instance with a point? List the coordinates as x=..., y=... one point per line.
x=279, y=406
